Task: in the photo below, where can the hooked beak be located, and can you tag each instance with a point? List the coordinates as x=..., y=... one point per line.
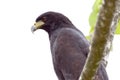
x=37, y=25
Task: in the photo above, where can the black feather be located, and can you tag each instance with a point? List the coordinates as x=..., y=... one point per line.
x=69, y=47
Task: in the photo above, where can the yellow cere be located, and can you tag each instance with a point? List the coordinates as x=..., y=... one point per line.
x=39, y=24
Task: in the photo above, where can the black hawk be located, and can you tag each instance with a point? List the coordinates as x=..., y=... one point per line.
x=69, y=47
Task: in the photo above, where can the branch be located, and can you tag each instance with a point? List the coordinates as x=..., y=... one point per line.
x=103, y=36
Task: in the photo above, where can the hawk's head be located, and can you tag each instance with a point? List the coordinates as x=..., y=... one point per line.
x=51, y=21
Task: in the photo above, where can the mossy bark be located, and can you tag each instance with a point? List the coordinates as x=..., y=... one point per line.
x=103, y=36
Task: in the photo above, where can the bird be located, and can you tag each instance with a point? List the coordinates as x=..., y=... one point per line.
x=69, y=47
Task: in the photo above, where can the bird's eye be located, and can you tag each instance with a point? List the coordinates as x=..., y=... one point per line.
x=44, y=19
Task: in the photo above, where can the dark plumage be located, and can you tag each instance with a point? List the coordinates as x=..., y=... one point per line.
x=69, y=46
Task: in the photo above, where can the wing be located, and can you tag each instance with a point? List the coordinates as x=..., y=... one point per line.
x=69, y=53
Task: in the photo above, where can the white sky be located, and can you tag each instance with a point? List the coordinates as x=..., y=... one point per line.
x=24, y=56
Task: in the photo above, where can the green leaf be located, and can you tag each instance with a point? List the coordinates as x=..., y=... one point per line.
x=118, y=28
x=92, y=21
x=94, y=14
x=96, y=6
x=88, y=37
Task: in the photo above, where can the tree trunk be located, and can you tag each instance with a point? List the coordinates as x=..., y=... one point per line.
x=102, y=38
